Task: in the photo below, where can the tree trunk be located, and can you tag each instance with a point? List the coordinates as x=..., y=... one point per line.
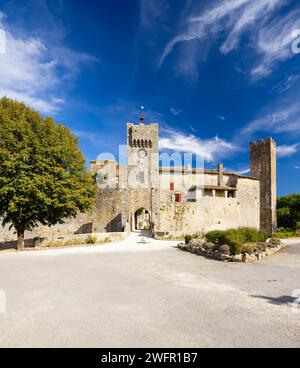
x=20, y=241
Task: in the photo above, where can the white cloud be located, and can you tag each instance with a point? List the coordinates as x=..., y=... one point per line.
x=221, y=117
x=297, y=167
x=280, y=120
x=152, y=12
x=243, y=171
x=273, y=44
x=89, y=136
x=33, y=72
x=286, y=84
x=269, y=40
x=287, y=150
x=210, y=149
x=175, y=111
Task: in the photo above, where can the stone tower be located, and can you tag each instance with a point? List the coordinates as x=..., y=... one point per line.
x=142, y=153
x=263, y=167
x=143, y=170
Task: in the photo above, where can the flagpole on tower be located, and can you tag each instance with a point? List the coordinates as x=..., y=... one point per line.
x=142, y=116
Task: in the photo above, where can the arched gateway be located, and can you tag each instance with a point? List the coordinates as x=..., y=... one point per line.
x=142, y=219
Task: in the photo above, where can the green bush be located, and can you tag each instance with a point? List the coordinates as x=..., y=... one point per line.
x=216, y=247
x=288, y=211
x=189, y=237
x=209, y=246
x=236, y=238
x=91, y=240
x=250, y=235
x=216, y=237
x=283, y=233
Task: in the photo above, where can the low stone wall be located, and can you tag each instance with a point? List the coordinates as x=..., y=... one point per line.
x=172, y=235
x=245, y=257
x=69, y=240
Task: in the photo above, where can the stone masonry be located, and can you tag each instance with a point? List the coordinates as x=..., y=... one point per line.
x=179, y=200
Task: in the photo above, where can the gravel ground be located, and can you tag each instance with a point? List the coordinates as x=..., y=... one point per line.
x=147, y=295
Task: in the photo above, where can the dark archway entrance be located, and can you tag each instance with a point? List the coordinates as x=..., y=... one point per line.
x=142, y=220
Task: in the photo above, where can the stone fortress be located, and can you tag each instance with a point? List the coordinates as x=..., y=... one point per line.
x=171, y=201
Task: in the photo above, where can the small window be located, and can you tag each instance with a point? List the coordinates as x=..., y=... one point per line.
x=172, y=186
x=178, y=197
x=231, y=194
x=208, y=193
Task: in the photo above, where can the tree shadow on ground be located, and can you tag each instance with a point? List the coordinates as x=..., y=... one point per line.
x=281, y=300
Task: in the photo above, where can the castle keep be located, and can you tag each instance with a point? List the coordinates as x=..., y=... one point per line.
x=173, y=200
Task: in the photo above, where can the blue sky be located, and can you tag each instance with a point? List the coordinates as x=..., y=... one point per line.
x=215, y=74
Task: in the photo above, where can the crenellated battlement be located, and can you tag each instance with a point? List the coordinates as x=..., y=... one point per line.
x=261, y=142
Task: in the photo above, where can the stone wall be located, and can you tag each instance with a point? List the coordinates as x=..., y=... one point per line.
x=210, y=213
x=110, y=213
x=82, y=224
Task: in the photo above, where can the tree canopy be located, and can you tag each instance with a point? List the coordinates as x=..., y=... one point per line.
x=288, y=211
x=43, y=177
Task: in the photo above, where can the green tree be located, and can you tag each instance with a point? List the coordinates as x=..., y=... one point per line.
x=43, y=178
x=288, y=211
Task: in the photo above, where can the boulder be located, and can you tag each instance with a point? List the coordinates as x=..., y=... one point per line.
x=237, y=258
x=197, y=242
x=224, y=249
x=249, y=258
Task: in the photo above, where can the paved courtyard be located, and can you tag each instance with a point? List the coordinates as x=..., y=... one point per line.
x=147, y=295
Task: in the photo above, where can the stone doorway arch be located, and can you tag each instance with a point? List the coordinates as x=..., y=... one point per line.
x=142, y=219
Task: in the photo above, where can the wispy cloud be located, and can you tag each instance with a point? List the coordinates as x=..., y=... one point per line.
x=287, y=150
x=221, y=117
x=175, y=111
x=94, y=138
x=273, y=44
x=210, y=149
x=284, y=119
x=243, y=171
x=286, y=84
x=297, y=167
x=152, y=13
x=33, y=72
x=269, y=35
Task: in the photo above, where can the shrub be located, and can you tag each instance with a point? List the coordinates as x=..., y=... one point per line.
x=252, y=235
x=225, y=249
x=216, y=247
x=235, y=248
x=248, y=248
x=288, y=211
x=282, y=233
x=189, y=237
x=236, y=238
x=216, y=237
x=208, y=246
x=91, y=240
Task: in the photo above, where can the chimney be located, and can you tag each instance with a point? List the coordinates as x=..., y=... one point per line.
x=220, y=175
